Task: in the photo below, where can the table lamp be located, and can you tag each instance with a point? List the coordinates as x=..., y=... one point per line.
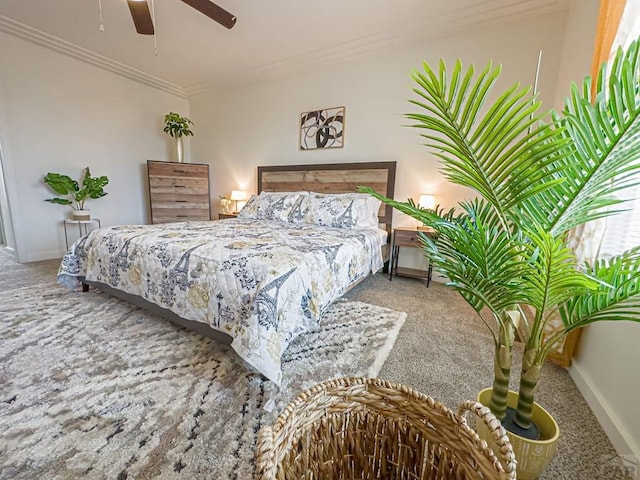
x=236, y=196
x=427, y=201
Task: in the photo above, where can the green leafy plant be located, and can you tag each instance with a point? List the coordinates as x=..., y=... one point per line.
x=92, y=187
x=537, y=176
x=175, y=125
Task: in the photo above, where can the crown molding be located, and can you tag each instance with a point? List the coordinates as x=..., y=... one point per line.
x=56, y=44
x=444, y=22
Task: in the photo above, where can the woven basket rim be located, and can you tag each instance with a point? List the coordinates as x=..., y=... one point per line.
x=270, y=437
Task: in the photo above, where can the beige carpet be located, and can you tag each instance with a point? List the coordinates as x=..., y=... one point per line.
x=14, y=275
x=444, y=352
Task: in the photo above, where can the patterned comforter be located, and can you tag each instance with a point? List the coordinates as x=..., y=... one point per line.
x=261, y=282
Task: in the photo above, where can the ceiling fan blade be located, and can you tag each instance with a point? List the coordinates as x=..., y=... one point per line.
x=141, y=16
x=213, y=11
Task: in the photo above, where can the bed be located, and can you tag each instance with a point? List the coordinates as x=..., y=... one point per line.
x=258, y=281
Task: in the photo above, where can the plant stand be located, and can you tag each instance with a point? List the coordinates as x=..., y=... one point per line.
x=83, y=226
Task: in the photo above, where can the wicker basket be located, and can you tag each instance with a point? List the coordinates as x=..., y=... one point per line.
x=371, y=429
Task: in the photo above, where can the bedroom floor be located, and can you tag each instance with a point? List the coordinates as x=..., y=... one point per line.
x=15, y=275
x=443, y=351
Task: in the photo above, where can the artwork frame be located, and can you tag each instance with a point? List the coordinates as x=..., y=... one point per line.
x=322, y=129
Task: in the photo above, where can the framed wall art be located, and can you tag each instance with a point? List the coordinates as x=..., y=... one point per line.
x=322, y=129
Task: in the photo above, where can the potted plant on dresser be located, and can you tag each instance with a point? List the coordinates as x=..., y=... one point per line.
x=177, y=126
x=506, y=252
x=76, y=196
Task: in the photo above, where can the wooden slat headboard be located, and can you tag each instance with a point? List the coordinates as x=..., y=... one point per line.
x=332, y=178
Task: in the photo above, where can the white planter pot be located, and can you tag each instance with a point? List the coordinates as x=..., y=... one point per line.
x=179, y=149
x=81, y=215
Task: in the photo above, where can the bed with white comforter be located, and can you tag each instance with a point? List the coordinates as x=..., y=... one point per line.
x=263, y=282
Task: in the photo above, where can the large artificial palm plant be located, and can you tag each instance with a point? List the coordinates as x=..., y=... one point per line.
x=537, y=176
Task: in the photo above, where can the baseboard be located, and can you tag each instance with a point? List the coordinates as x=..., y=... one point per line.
x=611, y=424
x=45, y=255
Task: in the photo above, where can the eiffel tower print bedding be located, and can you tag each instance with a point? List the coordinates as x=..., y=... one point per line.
x=261, y=282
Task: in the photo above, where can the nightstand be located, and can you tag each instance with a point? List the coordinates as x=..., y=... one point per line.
x=408, y=237
x=222, y=216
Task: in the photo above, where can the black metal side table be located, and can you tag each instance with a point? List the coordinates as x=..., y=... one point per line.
x=408, y=237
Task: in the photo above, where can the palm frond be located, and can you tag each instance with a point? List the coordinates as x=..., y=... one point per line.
x=489, y=152
x=482, y=261
x=602, y=155
x=553, y=277
x=438, y=210
x=551, y=280
x=428, y=217
x=617, y=297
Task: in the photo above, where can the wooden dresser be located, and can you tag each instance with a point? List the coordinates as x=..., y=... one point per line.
x=178, y=191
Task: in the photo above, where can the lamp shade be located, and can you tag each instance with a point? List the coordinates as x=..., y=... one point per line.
x=237, y=195
x=427, y=201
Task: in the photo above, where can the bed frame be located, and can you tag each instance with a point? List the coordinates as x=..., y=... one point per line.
x=327, y=178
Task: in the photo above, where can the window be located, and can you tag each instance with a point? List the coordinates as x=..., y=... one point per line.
x=622, y=231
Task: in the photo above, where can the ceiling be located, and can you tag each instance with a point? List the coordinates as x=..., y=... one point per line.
x=270, y=36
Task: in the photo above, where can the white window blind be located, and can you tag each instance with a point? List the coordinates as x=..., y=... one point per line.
x=622, y=231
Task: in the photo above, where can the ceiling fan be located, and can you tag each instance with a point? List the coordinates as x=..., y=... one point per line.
x=144, y=23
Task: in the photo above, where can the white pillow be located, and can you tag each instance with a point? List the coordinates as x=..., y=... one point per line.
x=271, y=205
x=342, y=210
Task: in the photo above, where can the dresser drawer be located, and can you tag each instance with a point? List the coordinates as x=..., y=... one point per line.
x=410, y=237
x=160, y=198
x=166, y=215
x=177, y=185
x=180, y=205
x=407, y=238
x=168, y=169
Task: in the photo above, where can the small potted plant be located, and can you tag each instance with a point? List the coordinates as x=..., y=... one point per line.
x=177, y=126
x=92, y=187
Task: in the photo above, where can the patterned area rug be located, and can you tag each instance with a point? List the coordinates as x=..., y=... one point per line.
x=92, y=387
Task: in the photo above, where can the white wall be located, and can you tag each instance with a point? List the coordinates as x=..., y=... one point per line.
x=258, y=124
x=60, y=114
x=577, y=47
x=605, y=370
x=606, y=363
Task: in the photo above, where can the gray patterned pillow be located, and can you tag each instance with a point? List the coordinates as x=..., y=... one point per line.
x=300, y=209
x=271, y=205
x=342, y=210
